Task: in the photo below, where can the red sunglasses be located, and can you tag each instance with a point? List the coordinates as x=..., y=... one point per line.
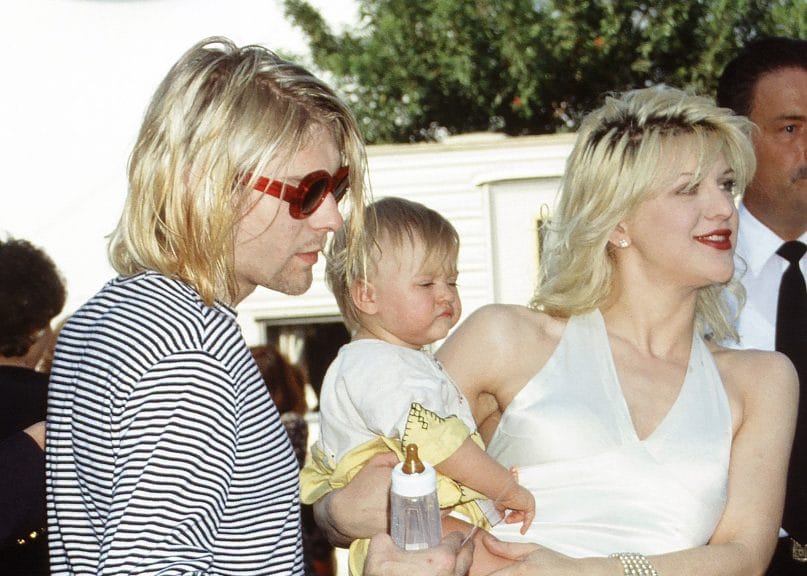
x=309, y=194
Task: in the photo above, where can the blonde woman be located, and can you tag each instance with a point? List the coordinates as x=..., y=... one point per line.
x=641, y=437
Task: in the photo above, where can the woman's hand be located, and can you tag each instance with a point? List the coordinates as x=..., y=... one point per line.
x=492, y=556
x=450, y=558
x=533, y=560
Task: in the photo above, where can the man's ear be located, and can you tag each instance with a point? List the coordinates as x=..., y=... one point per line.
x=363, y=294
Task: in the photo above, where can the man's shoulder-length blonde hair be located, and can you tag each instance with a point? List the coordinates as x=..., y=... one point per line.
x=622, y=155
x=221, y=113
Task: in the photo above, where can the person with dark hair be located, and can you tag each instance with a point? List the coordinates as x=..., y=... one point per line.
x=767, y=82
x=286, y=384
x=32, y=293
x=285, y=380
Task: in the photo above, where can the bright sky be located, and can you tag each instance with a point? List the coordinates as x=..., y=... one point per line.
x=77, y=77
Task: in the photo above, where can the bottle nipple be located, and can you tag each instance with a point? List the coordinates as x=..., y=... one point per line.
x=412, y=463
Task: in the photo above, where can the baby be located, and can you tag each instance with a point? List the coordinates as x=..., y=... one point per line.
x=385, y=389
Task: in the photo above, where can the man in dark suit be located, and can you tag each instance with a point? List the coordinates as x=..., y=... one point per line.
x=767, y=81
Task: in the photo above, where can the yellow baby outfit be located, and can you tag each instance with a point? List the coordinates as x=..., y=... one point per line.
x=436, y=438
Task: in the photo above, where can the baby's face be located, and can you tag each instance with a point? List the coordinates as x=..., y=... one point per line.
x=415, y=294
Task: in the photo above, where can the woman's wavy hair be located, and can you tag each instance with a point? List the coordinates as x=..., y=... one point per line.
x=619, y=160
x=398, y=222
x=220, y=115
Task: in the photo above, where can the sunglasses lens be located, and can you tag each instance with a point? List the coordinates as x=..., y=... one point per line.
x=314, y=195
x=341, y=187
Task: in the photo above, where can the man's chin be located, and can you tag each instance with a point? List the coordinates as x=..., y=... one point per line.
x=293, y=285
x=298, y=290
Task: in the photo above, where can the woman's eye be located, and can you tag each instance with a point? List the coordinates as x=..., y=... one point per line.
x=688, y=191
x=729, y=186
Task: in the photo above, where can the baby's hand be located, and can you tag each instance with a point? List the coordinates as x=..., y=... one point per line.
x=521, y=504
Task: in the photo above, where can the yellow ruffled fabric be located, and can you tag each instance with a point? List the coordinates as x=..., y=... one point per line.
x=436, y=438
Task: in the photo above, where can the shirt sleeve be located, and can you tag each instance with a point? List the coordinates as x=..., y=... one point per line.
x=176, y=449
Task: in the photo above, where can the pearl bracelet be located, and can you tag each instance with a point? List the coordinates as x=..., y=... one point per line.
x=635, y=564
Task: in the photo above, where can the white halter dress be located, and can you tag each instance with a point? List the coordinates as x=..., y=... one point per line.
x=599, y=488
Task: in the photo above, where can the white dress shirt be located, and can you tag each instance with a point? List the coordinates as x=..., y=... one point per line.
x=760, y=270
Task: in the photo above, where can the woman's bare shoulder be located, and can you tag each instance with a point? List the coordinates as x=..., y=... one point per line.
x=750, y=365
x=503, y=341
x=757, y=375
x=508, y=321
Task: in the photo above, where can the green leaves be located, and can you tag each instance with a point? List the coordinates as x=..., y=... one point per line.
x=419, y=69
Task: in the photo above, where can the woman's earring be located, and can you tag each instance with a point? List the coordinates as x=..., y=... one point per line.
x=623, y=243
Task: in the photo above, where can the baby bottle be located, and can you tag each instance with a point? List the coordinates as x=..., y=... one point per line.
x=415, y=513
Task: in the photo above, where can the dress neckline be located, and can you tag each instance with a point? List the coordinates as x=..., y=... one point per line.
x=618, y=393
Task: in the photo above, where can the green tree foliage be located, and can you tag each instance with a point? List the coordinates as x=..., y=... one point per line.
x=418, y=69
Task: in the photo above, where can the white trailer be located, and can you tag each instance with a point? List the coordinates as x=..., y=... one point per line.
x=493, y=188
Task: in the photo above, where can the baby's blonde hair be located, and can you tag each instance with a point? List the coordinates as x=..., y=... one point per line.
x=393, y=221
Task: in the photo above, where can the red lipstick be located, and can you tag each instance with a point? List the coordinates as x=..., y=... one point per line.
x=717, y=239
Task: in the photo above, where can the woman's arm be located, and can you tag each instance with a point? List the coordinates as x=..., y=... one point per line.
x=37, y=433
x=494, y=353
x=765, y=386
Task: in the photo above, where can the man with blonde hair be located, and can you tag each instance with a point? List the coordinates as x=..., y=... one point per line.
x=165, y=453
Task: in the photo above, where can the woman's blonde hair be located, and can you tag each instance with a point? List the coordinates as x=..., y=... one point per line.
x=221, y=114
x=617, y=163
x=395, y=222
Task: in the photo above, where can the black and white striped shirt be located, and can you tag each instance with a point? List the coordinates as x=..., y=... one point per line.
x=165, y=454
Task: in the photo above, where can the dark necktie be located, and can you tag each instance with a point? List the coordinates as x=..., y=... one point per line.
x=791, y=339
x=791, y=312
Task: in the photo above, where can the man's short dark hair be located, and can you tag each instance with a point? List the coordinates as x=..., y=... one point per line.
x=736, y=87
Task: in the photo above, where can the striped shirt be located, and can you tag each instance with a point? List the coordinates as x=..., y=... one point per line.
x=165, y=454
